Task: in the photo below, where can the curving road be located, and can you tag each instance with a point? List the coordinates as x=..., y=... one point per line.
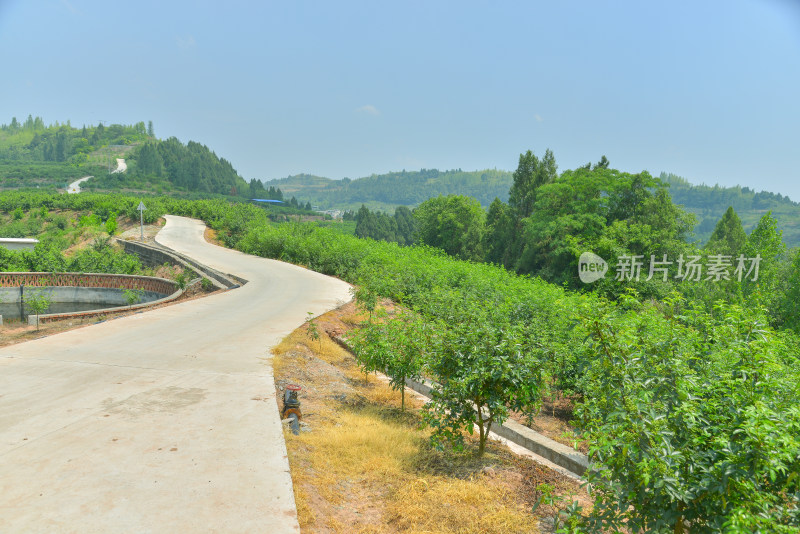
x=75, y=187
x=164, y=421
x=121, y=166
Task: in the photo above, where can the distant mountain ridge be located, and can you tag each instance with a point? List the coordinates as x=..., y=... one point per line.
x=410, y=188
x=708, y=203
x=404, y=188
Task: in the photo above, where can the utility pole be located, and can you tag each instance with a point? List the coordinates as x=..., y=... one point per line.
x=141, y=209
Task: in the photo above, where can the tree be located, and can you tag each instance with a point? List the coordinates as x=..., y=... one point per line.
x=454, y=223
x=569, y=216
x=37, y=302
x=111, y=223
x=766, y=243
x=728, y=237
x=483, y=369
x=406, y=225
x=133, y=295
x=499, y=234
x=531, y=174
x=366, y=223
x=375, y=225
x=150, y=131
x=257, y=189
x=394, y=348
x=789, y=304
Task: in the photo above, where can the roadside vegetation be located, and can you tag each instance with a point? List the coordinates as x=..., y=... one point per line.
x=363, y=463
x=672, y=448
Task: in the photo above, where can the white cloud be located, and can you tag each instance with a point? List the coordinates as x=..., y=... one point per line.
x=538, y=118
x=369, y=109
x=185, y=43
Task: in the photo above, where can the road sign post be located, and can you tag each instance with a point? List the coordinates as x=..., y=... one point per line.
x=141, y=209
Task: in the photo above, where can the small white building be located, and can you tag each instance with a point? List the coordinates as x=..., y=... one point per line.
x=18, y=243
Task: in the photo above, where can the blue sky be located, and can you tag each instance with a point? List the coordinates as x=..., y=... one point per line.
x=707, y=90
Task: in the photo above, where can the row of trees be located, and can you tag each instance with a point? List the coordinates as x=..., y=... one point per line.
x=257, y=190
x=400, y=228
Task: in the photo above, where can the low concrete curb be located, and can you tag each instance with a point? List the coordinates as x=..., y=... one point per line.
x=46, y=318
x=558, y=453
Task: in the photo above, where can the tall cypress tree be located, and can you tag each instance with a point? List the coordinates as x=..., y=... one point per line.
x=728, y=237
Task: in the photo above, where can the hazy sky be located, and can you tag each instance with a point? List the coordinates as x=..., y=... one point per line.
x=708, y=90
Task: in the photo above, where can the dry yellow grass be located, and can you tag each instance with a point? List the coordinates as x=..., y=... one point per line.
x=367, y=467
x=380, y=457
x=438, y=504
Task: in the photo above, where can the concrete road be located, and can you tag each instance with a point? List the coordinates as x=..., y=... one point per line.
x=75, y=187
x=164, y=421
x=121, y=166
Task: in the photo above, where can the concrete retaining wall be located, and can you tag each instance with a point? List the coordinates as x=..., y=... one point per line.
x=154, y=255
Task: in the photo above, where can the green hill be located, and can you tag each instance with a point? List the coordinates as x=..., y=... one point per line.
x=405, y=188
x=708, y=203
x=35, y=155
x=387, y=191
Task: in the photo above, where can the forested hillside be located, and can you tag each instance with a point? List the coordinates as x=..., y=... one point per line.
x=385, y=192
x=33, y=154
x=171, y=165
x=405, y=188
x=709, y=203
